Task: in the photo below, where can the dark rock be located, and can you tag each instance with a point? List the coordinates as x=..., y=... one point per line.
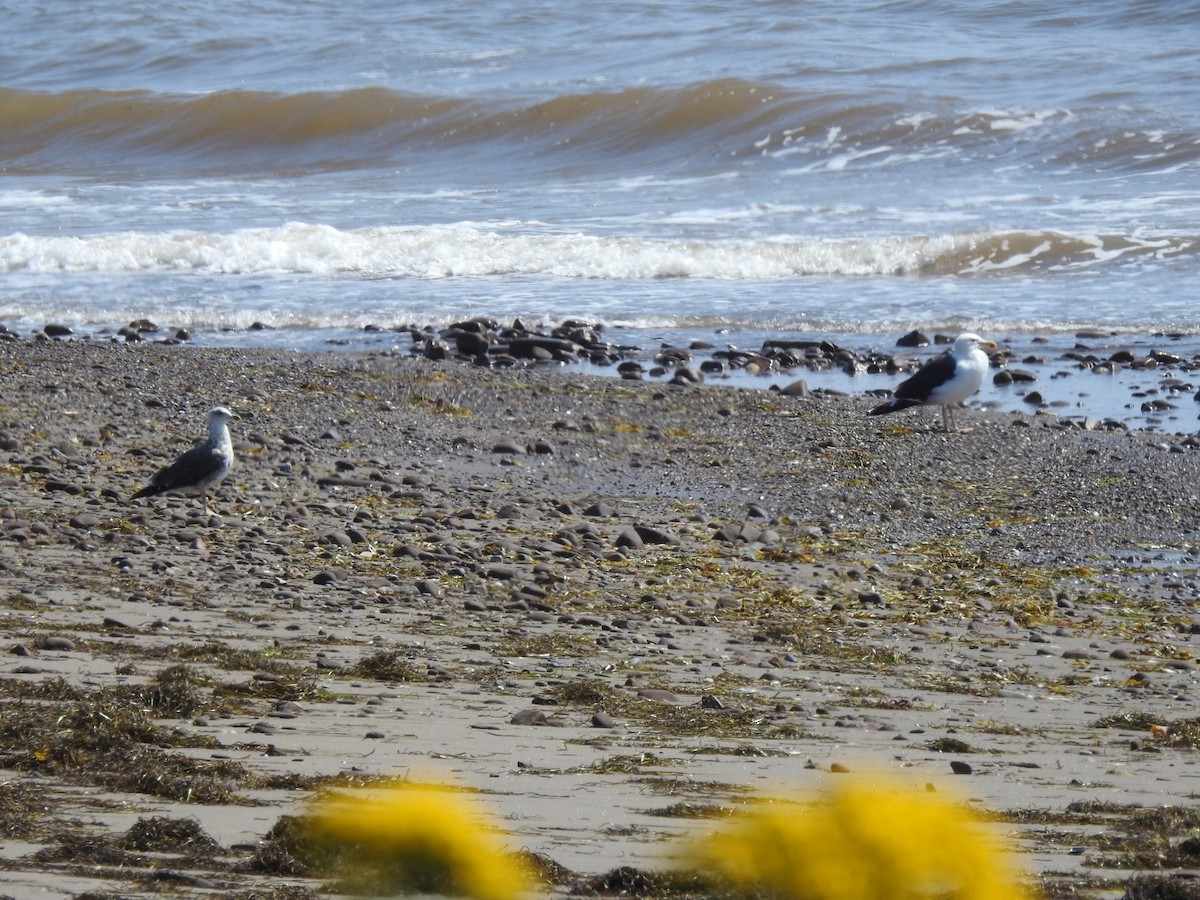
x=56, y=643
x=543, y=349
x=471, y=343
x=913, y=339
x=63, y=487
x=652, y=535
x=436, y=350
x=332, y=575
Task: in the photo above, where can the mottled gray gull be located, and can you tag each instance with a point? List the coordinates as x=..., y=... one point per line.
x=199, y=468
x=945, y=380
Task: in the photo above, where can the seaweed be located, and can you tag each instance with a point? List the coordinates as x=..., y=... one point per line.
x=22, y=809
x=386, y=666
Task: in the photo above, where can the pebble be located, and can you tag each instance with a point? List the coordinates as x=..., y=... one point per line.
x=660, y=695
x=534, y=717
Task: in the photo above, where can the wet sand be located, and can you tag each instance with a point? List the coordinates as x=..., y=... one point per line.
x=613, y=608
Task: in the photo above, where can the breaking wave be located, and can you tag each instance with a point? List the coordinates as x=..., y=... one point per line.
x=468, y=250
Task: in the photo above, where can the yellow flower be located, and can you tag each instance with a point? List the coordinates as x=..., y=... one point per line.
x=864, y=842
x=414, y=839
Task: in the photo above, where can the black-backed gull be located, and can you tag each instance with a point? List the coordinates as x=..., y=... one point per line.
x=946, y=380
x=199, y=468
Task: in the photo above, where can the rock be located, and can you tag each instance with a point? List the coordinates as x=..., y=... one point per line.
x=55, y=485
x=660, y=695
x=285, y=709
x=687, y=376
x=914, y=338
x=543, y=349
x=534, y=717
x=331, y=575
x=500, y=573
x=631, y=538
x=470, y=343
x=653, y=535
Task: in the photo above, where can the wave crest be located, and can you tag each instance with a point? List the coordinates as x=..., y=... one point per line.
x=250, y=131
x=467, y=250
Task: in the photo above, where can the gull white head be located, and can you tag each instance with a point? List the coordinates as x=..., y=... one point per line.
x=218, y=419
x=968, y=341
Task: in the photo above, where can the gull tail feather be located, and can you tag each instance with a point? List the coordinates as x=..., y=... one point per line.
x=894, y=405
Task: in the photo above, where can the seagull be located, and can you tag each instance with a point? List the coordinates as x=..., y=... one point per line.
x=199, y=468
x=946, y=380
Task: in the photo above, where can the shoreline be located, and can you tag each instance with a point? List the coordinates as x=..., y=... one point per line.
x=432, y=566
x=1090, y=378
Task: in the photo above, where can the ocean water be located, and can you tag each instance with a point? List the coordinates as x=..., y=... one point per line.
x=667, y=169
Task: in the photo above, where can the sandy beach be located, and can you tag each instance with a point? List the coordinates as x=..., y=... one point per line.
x=613, y=609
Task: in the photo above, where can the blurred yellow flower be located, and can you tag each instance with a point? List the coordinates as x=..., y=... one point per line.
x=412, y=839
x=864, y=842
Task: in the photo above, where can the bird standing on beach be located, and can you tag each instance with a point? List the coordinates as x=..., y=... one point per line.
x=946, y=380
x=199, y=468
